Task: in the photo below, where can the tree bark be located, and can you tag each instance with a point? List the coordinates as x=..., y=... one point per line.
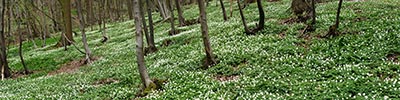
x=84, y=40
x=246, y=29
x=338, y=14
x=180, y=13
x=129, y=4
x=204, y=30
x=66, y=6
x=262, y=15
x=139, y=45
x=18, y=21
x=223, y=10
x=172, y=19
x=152, y=46
x=5, y=70
x=313, y=13
x=145, y=29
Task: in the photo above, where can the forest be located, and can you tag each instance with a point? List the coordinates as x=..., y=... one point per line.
x=199, y=49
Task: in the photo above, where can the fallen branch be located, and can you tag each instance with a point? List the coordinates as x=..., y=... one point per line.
x=65, y=37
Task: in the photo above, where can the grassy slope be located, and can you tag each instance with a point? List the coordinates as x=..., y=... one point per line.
x=352, y=65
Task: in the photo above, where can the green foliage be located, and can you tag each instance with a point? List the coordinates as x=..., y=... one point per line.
x=350, y=66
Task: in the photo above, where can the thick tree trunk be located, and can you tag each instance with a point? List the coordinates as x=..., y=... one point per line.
x=223, y=10
x=84, y=40
x=210, y=58
x=5, y=70
x=180, y=13
x=152, y=46
x=246, y=29
x=66, y=6
x=139, y=45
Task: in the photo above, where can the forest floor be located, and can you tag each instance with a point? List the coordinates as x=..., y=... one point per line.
x=275, y=63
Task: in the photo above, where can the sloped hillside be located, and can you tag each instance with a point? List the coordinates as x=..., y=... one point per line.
x=276, y=63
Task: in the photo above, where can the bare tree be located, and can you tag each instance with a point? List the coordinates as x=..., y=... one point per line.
x=210, y=58
x=139, y=45
x=66, y=6
x=88, y=53
x=180, y=13
x=223, y=10
x=152, y=46
x=246, y=28
x=333, y=29
x=18, y=21
x=172, y=19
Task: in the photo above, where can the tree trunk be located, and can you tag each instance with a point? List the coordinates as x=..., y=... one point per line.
x=152, y=46
x=223, y=10
x=139, y=45
x=66, y=6
x=26, y=71
x=102, y=22
x=262, y=15
x=163, y=8
x=231, y=6
x=84, y=40
x=210, y=60
x=246, y=29
x=172, y=31
x=333, y=29
x=338, y=14
x=313, y=13
x=180, y=13
x=5, y=70
x=146, y=31
x=90, y=16
x=129, y=4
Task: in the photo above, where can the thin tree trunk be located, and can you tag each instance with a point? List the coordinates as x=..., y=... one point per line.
x=26, y=71
x=152, y=46
x=223, y=10
x=129, y=4
x=146, y=31
x=262, y=15
x=313, y=13
x=243, y=18
x=338, y=14
x=84, y=40
x=180, y=13
x=204, y=30
x=139, y=45
x=172, y=32
x=231, y=6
